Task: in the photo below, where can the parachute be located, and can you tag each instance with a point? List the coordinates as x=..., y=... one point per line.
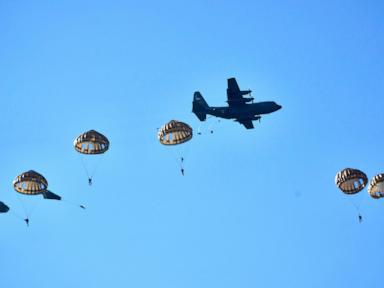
x=3, y=208
x=351, y=181
x=376, y=186
x=91, y=143
x=174, y=133
x=30, y=183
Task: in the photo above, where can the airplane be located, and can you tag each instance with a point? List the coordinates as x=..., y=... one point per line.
x=237, y=108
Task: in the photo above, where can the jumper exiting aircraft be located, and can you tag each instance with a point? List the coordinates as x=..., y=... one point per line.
x=237, y=109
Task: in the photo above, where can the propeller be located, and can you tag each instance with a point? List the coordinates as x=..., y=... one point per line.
x=250, y=95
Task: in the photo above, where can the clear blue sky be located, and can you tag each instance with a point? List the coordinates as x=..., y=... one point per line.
x=257, y=208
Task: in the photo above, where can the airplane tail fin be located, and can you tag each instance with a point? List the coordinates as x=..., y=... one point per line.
x=200, y=106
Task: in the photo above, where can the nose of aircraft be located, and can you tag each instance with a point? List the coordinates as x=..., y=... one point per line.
x=278, y=107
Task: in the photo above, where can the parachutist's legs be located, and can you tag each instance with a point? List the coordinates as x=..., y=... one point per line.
x=360, y=218
x=26, y=220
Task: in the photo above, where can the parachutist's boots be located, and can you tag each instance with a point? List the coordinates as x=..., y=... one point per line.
x=360, y=219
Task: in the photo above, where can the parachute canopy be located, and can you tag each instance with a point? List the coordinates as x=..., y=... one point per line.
x=91, y=142
x=30, y=183
x=174, y=132
x=376, y=186
x=351, y=181
x=3, y=208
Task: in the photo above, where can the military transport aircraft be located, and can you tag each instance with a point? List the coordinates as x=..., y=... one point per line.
x=237, y=109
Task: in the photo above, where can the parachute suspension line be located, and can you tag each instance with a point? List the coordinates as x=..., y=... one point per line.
x=210, y=127
x=73, y=204
x=90, y=174
x=16, y=215
x=85, y=167
x=199, y=129
x=33, y=209
x=28, y=212
x=357, y=205
x=96, y=167
x=213, y=124
x=360, y=202
x=86, y=170
x=23, y=206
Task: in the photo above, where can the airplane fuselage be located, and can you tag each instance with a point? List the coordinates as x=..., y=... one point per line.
x=244, y=111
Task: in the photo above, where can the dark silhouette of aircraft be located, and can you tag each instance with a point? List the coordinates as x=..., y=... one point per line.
x=237, y=108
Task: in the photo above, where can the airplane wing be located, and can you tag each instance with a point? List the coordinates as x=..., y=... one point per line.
x=247, y=123
x=233, y=92
x=235, y=95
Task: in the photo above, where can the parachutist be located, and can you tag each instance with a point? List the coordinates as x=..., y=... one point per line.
x=82, y=206
x=360, y=218
x=26, y=221
x=90, y=181
x=175, y=133
x=211, y=131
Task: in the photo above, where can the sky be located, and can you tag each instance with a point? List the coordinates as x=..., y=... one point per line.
x=256, y=208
